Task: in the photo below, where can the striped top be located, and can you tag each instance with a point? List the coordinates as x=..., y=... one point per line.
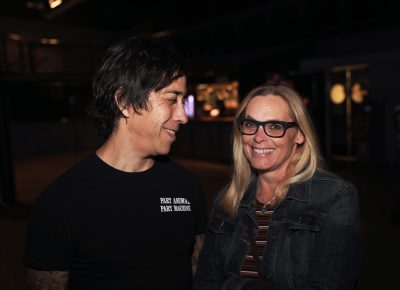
x=263, y=217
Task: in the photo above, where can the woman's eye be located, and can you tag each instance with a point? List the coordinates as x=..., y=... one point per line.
x=248, y=124
x=275, y=127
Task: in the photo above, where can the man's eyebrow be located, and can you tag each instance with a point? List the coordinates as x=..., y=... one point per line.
x=176, y=92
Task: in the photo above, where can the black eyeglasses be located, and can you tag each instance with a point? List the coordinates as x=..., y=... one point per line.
x=274, y=129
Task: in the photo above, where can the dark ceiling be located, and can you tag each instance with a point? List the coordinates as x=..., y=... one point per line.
x=126, y=14
x=219, y=33
x=273, y=16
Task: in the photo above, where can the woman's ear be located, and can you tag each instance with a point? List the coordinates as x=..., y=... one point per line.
x=124, y=109
x=299, y=137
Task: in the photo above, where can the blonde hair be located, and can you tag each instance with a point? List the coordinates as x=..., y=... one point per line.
x=306, y=160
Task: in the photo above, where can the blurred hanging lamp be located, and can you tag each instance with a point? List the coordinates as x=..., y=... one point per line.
x=358, y=93
x=337, y=94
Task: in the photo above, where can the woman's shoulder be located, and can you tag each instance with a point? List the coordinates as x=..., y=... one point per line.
x=221, y=193
x=218, y=210
x=329, y=181
x=327, y=175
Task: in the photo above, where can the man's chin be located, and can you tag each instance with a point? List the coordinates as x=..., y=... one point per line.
x=165, y=151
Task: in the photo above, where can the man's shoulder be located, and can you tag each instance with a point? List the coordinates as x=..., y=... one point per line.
x=82, y=168
x=174, y=173
x=75, y=175
x=173, y=166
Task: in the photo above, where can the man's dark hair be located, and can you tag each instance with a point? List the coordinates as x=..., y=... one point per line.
x=131, y=69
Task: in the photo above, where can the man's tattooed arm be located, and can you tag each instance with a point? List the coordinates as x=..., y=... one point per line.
x=198, y=244
x=46, y=280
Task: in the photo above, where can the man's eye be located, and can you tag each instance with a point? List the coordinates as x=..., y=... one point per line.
x=172, y=100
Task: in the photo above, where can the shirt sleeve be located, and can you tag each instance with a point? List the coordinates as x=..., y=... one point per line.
x=48, y=240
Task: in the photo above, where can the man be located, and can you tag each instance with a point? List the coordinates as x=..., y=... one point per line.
x=123, y=218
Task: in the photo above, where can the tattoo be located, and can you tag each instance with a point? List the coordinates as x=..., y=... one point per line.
x=198, y=244
x=46, y=280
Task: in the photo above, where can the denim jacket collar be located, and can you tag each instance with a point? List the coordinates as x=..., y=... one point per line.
x=298, y=191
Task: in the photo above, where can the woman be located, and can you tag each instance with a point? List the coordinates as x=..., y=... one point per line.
x=282, y=222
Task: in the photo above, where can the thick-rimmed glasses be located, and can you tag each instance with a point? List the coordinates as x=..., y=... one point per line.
x=274, y=129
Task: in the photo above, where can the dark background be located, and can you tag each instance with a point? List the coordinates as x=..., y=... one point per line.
x=307, y=44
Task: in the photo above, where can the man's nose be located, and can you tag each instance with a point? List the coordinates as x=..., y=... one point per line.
x=181, y=115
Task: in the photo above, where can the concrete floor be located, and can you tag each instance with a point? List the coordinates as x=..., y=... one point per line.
x=379, y=192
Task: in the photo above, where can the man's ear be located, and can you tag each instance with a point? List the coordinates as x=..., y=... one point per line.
x=124, y=109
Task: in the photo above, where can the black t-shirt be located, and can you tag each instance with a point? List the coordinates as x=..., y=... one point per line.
x=117, y=230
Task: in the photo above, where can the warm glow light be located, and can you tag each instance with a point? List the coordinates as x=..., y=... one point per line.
x=14, y=36
x=52, y=41
x=214, y=112
x=207, y=107
x=231, y=104
x=357, y=93
x=337, y=94
x=222, y=95
x=54, y=3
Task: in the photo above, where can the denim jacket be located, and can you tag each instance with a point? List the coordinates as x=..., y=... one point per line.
x=313, y=240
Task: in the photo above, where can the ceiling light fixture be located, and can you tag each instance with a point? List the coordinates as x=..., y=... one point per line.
x=54, y=3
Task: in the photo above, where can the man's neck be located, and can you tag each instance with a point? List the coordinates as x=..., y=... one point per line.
x=121, y=156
